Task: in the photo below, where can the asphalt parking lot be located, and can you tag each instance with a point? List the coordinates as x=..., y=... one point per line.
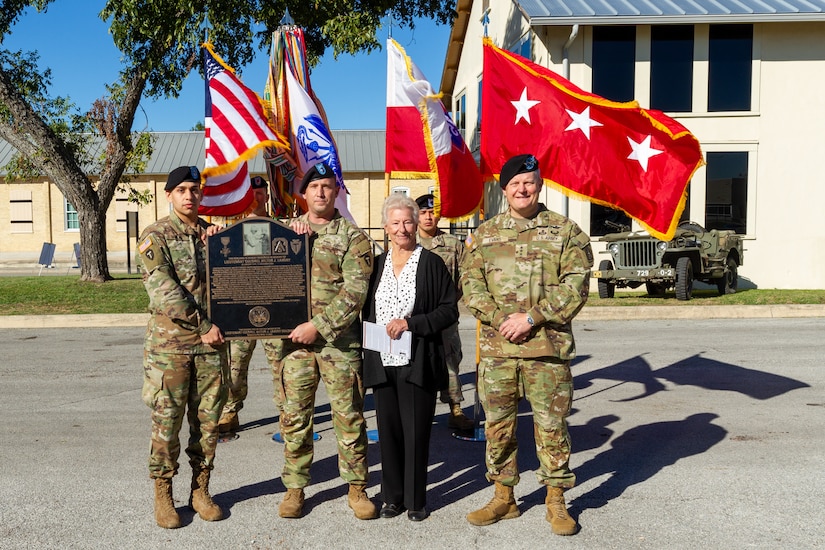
x=686, y=432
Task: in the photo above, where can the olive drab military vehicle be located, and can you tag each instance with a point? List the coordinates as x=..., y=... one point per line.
x=694, y=254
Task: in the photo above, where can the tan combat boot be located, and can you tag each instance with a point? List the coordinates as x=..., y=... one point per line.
x=457, y=419
x=560, y=521
x=503, y=506
x=360, y=503
x=229, y=423
x=200, y=501
x=165, y=514
x=293, y=504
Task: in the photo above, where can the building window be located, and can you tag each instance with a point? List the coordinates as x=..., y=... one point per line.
x=614, y=77
x=20, y=211
x=730, y=54
x=477, y=138
x=614, y=62
x=460, y=114
x=522, y=47
x=71, y=221
x=671, y=68
x=726, y=201
x=401, y=191
x=685, y=217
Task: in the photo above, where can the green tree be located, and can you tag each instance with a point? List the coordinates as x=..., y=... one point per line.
x=160, y=42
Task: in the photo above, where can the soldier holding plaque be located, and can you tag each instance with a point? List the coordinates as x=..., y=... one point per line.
x=184, y=358
x=327, y=347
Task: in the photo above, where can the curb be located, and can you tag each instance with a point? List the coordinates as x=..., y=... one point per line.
x=594, y=313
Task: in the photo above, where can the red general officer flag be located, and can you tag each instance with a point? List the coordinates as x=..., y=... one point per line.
x=616, y=154
x=423, y=142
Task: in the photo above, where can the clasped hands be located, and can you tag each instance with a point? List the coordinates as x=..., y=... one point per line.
x=515, y=328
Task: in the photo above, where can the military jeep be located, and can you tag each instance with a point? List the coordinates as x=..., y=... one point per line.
x=694, y=254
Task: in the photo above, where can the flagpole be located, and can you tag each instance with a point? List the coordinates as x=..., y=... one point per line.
x=565, y=65
x=478, y=430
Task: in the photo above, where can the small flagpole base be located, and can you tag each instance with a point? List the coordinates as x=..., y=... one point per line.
x=478, y=428
x=476, y=435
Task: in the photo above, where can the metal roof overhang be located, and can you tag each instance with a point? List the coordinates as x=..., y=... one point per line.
x=544, y=21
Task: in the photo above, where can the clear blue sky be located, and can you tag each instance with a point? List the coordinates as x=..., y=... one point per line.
x=75, y=44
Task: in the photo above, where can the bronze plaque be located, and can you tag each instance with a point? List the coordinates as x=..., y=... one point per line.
x=258, y=277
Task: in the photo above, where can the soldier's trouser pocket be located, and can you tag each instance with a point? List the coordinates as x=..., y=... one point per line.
x=152, y=383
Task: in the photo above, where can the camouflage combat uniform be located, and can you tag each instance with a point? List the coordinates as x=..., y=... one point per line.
x=340, y=270
x=451, y=249
x=541, y=266
x=240, y=354
x=181, y=374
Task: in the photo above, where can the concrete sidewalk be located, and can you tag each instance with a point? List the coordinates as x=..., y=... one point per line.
x=589, y=313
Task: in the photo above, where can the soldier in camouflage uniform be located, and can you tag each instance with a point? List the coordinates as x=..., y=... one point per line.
x=240, y=351
x=526, y=276
x=184, y=365
x=327, y=347
x=450, y=249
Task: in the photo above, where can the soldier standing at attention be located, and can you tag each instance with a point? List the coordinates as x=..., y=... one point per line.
x=451, y=249
x=184, y=358
x=240, y=351
x=525, y=278
x=327, y=347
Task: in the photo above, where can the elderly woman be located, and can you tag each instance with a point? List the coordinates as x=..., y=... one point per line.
x=410, y=290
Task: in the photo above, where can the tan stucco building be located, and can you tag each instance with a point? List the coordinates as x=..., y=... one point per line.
x=35, y=212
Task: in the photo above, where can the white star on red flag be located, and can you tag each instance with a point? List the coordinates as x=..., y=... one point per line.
x=642, y=151
x=582, y=121
x=523, y=106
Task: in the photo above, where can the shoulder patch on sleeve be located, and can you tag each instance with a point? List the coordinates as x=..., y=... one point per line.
x=150, y=253
x=361, y=250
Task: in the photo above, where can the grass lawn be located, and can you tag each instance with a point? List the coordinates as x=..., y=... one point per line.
x=56, y=295
x=744, y=297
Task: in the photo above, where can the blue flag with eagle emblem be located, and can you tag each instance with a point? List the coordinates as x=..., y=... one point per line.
x=312, y=141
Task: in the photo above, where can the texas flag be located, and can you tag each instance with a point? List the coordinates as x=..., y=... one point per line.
x=616, y=154
x=423, y=142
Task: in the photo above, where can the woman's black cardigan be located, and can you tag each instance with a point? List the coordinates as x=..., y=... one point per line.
x=435, y=309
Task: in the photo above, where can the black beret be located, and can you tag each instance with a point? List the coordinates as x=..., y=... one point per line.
x=318, y=172
x=425, y=202
x=258, y=182
x=519, y=164
x=182, y=174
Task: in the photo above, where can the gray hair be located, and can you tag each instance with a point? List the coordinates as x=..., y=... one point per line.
x=398, y=201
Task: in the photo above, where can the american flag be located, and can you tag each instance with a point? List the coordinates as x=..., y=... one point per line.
x=236, y=128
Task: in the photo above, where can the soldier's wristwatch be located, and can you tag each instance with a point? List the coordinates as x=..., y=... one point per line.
x=530, y=320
